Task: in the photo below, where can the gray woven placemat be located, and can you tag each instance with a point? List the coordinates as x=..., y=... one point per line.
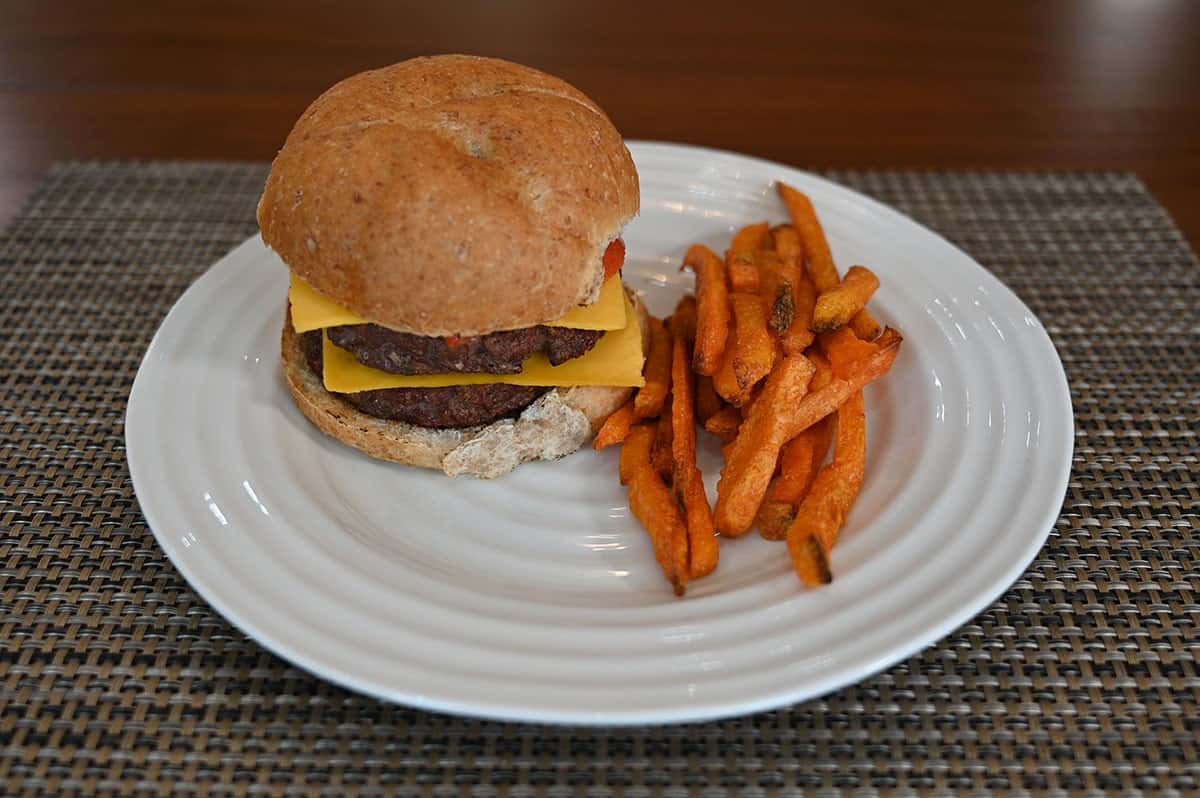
x=116, y=678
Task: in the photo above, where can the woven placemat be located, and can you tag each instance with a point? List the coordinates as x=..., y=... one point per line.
x=116, y=678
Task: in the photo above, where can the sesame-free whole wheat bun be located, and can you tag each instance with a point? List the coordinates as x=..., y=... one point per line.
x=442, y=216
x=450, y=195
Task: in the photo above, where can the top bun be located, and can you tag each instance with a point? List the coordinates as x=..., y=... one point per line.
x=450, y=195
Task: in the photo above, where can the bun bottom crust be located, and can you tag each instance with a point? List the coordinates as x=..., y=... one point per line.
x=556, y=424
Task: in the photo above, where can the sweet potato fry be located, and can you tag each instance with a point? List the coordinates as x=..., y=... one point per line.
x=799, y=461
x=748, y=402
x=816, y=247
x=725, y=381
x=824, y=372
x=788, y=244
x=712, y=308
x=844, y=349
x=684, y=319
x=748, y=471
x=776, y=280
x=809, y=561
x=794, y=419
x=683, y=419
x=687, y=482
x=794, y=336
x=660, y=453
x=724, y=423
x=754, y=348
x=751, y=237
x=650, y=397
x=703, y=549
x=798, y=336
x=743, y=271
x=836, y=307
x=640, y=437
x=781, y=309
x=707, y=401
x=866, y=326
x=615, y=427
x=822, y=513
x=654, y=506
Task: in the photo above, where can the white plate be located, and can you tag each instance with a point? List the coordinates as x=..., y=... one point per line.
x=535, y=596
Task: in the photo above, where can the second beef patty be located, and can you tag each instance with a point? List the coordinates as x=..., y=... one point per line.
x=454, y=406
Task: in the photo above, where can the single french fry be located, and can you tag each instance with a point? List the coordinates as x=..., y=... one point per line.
x=650, y=397
x=844, y=349
x=725, y=381
x=683, y=419
x=743, y=271
x=654, y=506
x=685, y=474
x=773, y=518
x=820, y=403
x=809, y=561
x=640, y=437
x=866, y=326
x=660, y=453
x=707, y=401
x=751, y=396
x=777, y=280
x=751, y=237
x=799, y=461
x=836, y=307
x=724, y=423
x=753, y=346
x=823, y=512
x=684, y=318
x=712, y=308
x=687, y=482
x=748, y=471
x=816, y=247
x=799, y=335
x=781, y=309
x=616, y=427
x=703, y=549
x=824, y=370
x=788, y=244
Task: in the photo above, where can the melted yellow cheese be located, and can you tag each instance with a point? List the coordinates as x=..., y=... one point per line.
x=606, y=313
x=312, y=310
x=616, y=359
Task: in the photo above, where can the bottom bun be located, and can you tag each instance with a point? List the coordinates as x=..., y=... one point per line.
x=556, y=424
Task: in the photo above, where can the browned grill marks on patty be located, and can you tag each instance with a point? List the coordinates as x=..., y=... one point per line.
x=453, y=406
x=494, y=353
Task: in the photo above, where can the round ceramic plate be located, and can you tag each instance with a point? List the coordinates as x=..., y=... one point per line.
x=535, y=596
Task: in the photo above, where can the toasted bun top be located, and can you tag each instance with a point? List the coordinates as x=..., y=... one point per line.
x=450, y=195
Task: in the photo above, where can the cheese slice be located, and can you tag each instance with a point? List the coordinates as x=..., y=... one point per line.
x=616, y=359
x=606, y=313
x=312, y=310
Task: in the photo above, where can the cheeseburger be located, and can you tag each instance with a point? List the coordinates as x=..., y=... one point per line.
x=452, y=229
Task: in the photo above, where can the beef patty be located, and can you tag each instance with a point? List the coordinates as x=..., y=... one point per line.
x=453, y=406
x=494, y=353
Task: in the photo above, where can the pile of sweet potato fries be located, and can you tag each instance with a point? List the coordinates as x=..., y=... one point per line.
x=771, y=355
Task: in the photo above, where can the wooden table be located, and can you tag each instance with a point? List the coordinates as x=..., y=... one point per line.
x=941, y=85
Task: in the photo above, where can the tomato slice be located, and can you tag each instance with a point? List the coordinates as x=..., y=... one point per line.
x=614, y=258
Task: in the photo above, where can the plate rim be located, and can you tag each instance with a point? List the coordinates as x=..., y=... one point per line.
x=1058, y=398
